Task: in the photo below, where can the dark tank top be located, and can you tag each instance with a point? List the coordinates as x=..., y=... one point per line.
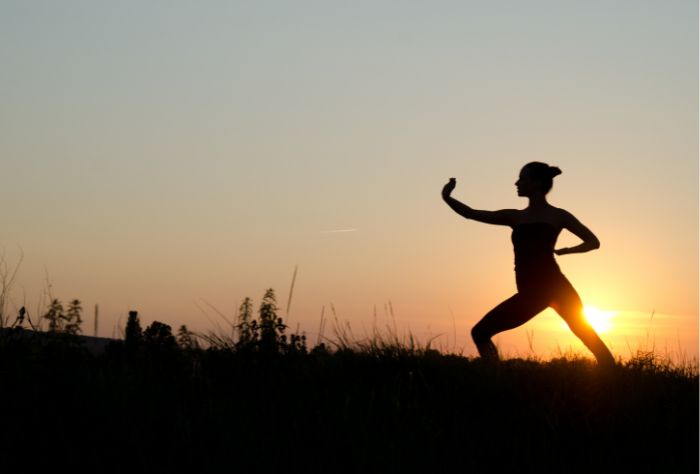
x=533, y=244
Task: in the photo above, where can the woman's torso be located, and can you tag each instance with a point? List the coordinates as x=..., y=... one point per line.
x=533, y=246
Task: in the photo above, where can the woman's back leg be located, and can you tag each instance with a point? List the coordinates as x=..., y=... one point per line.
x=513, y=312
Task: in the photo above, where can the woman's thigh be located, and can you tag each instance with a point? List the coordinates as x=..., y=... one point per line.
x=567, y=302
x=511, y=313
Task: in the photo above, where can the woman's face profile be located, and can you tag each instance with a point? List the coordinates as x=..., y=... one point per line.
x=525, y=184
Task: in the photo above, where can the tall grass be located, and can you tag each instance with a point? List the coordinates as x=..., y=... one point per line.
x=377, y=403
x=253, y=397
x=8, y=274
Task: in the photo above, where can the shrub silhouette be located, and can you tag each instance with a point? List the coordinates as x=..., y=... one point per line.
x=186, y=339
x=64, y=322
x=267, y=333
x=159, y=334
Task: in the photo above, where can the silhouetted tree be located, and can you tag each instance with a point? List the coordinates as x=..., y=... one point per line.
x=133, y=334
x=159, y=334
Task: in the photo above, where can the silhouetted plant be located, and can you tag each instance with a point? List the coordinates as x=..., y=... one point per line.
x=264, y=334
x=247, y=326
x=186, y=339
x=73, y=320
x=272, y=337
x=68, y=322
x=133, y=334
x=55, y=316
x=297, y=344
x=320, y=349
x=159, y=334
x=7, y=279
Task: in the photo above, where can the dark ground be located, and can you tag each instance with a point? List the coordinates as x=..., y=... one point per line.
x=165, y=409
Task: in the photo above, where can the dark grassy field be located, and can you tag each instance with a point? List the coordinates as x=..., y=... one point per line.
x=389, y=409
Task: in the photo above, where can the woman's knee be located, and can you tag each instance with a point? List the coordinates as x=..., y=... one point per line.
x=480, y=333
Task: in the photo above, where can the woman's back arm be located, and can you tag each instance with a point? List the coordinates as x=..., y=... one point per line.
x=573, y=225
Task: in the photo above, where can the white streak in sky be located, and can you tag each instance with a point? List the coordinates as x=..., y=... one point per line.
x=338, y=231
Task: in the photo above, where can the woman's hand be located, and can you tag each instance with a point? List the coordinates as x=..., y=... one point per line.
x=562, y=251
x=449, y=187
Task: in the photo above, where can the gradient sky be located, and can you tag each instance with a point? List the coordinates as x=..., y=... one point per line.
x=160, y=156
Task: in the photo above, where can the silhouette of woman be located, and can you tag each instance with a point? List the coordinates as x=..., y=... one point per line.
x=539, y=280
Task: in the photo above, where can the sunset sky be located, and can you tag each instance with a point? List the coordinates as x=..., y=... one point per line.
x=171, y=156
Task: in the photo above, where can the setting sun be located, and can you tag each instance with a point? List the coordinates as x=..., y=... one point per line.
x=599, y=319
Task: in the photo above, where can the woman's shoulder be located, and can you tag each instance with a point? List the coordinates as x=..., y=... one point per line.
x=562, y=216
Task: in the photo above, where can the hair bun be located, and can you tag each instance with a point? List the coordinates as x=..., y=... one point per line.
x=554, y=171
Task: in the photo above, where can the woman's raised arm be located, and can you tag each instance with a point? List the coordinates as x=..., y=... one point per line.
x=502, y=217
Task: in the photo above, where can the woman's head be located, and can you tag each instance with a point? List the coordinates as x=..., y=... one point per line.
x=536, y=177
